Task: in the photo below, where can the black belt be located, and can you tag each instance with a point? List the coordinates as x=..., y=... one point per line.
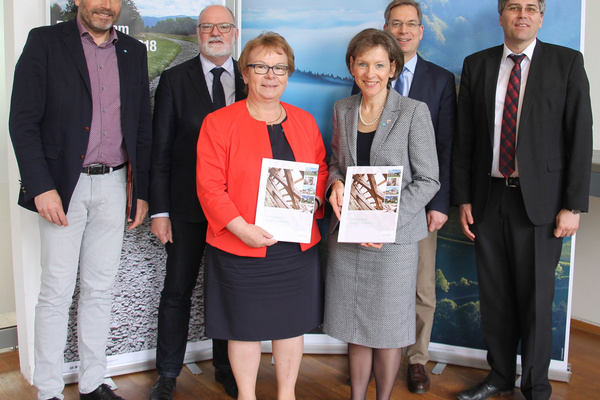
x=100, y=169
x=508, y=182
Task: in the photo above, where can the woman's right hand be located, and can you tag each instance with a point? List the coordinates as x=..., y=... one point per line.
x=252, y=235
x=336, y=199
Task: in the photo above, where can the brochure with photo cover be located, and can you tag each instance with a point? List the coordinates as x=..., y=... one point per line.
x=286, y=199
x=370, y=209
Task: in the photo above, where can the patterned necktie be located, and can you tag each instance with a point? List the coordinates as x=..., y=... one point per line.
x=509, y=119
x=217, y=88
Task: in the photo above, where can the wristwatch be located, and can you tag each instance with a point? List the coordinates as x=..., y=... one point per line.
x=576, y=212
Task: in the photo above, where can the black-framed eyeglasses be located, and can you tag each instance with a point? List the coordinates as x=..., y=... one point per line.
x=223, y=27
x=399, y=24
x=263, y=69
x=516, y=9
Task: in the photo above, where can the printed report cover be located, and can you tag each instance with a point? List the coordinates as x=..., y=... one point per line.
x=370, y=208
x=286, y=199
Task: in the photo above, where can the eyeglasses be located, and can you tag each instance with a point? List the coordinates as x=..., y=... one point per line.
x=223, y=27
x=516, y=9
x=263, y=69
x=399, y=24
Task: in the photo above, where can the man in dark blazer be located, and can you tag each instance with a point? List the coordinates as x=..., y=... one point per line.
x=185, y=96
x=517, y=217
x=80, y=114
x=436, y=87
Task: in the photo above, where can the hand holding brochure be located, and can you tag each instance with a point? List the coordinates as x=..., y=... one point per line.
x=370, y=209
x=286, y=199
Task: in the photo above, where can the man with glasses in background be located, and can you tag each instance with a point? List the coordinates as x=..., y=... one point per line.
x=427, y=82
x=185, y=95
x=521, y=174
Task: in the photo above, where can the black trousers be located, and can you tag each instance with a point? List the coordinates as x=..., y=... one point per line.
x=516, y=262
x=184, y=257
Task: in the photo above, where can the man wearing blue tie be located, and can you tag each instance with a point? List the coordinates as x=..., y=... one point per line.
x=435, y=86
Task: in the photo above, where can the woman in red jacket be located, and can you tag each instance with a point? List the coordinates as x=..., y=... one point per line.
x=255, y=287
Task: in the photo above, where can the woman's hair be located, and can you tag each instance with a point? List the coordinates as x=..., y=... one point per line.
x=371, y=38
x=269, y=41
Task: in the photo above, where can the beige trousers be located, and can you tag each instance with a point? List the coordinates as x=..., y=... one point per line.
x=425, y=300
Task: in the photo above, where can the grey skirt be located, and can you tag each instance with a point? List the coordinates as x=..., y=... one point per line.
x=370, y=294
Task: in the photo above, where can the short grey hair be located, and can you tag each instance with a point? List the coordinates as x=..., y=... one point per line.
x=205, y=8
x=502, y=5
x=396, y=3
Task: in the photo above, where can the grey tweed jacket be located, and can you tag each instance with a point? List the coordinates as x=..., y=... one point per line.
x=404, y=136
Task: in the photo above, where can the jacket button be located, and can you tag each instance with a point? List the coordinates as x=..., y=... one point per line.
x=87, y=128
x=82, y=156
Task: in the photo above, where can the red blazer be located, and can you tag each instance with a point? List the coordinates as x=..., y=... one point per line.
x=231, y=147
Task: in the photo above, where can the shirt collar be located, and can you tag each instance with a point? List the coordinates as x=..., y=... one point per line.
x=83, y=32
x=528, y=51
x=411, y=64
x=208, y=65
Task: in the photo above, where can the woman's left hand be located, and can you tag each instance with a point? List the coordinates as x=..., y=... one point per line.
x=373, y=245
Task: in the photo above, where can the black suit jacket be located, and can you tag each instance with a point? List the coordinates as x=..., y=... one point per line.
x=554, y=145
x=182, y=101
x=436, y=87
x=51, y=112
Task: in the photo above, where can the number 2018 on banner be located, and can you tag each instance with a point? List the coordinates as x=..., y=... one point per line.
x=150, y=44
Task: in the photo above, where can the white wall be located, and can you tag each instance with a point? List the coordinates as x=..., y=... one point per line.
x=592, y=61
x=7, y=295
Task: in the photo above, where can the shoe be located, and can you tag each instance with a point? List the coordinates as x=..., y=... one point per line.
x=163, y=388
x=227, y=379
x=417, y=378
x=54, y=398
x=482, y=391
x=102, y=392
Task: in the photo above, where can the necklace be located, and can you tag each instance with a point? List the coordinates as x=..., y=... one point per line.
x=361, y=118
x=262, y=120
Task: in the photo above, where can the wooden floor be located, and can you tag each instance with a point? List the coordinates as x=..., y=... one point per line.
x=323, y=377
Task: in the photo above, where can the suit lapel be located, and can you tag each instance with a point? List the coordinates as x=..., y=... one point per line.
x=196, y=75
x=492, y=69
x=124, y=63
x=239, y=83
x=390, y=114
x=73, y=42
x=533, y=83
x=351, y=121
x=419, y=79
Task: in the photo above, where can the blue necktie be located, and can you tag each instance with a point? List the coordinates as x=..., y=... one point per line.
x=401, y=85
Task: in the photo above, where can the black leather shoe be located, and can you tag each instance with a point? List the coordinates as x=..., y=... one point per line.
x=102, y=392
x=417, y=378
x=482, y=391
x=227, y=379
x=163, y=388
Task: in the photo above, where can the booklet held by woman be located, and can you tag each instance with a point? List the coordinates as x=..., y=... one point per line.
x=286, y=199
x=370, y=208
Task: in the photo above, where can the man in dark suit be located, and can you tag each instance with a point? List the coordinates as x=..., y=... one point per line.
x=435, y=86
x=80, y=113
x=521, y=174
x=186, y=94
